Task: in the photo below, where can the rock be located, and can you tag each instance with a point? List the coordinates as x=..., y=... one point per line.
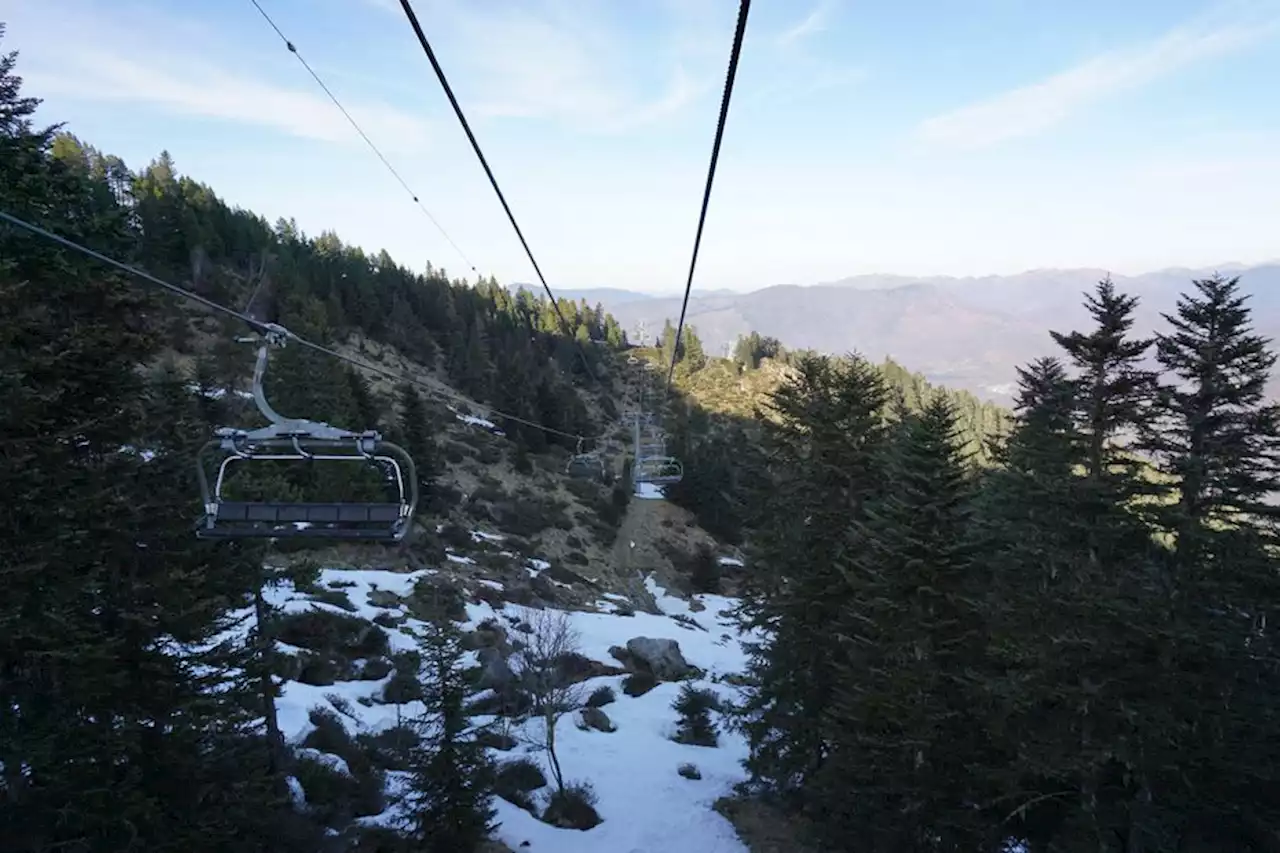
x=660, y=657
x=572, y=668
x=384, y=598
x=594, y=718
x=496, y=740
x=696, y=606
x=689, y=771
x=495, y=672
x=569, y=576
x=544, y=589
x=487, y=635
x=638, y=684
x=374, y=669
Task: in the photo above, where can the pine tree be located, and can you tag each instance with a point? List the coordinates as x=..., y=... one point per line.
x=821, y=465
x=1217, y=435
x=416, y=432
x=1112, y=390
x=903, y=728
x=450, y=791
x=112, y=688
x=1217, y=439
x=1068, y=652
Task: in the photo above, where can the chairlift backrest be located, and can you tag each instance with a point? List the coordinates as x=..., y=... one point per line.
x=296, y=440
x=658, y=470
x=584, y=465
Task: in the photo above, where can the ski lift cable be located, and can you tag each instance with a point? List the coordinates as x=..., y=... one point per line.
x=416, y=200
x=493, y=181
x=743, y=8
x=262, y=327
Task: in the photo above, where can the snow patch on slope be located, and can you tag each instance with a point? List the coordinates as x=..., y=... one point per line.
x=645, y=805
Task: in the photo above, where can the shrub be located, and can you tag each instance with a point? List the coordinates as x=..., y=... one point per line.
x=601, y=696
x=694, y=705
x=573, y=808
x=334, y=597
x=404, y=686
x=516, y=779
x=455, y=536
x=639, y=683
x=334, y=797
x=337, y=633
x=389, y=749
x=704, y=571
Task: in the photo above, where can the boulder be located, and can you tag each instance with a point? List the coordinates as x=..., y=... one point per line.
x=594, y=718
x=495, y=672
x=660, y=657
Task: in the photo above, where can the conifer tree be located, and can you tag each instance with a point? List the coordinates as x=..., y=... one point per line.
x=449, y=797
x=821, y=465
x=1067, y=647
x=1112, y=390
x=1217, y=439
x=903, y=727
x=416, y=431
x=1217, y=435
x=123, y=726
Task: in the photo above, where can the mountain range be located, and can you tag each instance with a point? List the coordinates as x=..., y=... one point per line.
x=969, y=333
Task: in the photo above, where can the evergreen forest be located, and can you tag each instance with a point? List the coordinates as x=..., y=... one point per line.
x=1051, y=629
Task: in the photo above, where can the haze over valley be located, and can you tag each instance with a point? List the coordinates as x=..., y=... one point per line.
x=969, y=332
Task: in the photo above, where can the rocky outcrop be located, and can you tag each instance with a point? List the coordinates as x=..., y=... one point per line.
x=659, y=657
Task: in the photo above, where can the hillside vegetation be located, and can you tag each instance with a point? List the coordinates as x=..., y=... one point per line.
x=942, y=628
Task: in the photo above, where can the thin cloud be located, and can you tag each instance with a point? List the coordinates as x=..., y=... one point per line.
x=571, y=62
x=1034, y=108
x=814, y=22
x=210, y=92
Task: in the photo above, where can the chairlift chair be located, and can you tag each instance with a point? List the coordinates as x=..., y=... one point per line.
x=658, y=470
x=292, y=439
x=585, y=465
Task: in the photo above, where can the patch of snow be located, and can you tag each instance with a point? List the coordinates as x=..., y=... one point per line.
x=650, y=491
x=455, y=558
x=491, y=584
x=296, y=793
x=731, y=561
x=481, y=536
x=472, y=420
x=646, y=806
x=218, y=393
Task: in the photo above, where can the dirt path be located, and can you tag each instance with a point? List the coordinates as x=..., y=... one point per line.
x=635, y=553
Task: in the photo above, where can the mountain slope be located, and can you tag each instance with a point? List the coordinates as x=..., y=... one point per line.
x=644, y=803
x=967, y=332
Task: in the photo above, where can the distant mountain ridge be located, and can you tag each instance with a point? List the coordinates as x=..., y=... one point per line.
x=970, y=332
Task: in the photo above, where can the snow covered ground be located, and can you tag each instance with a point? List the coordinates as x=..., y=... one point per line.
x=645, y=805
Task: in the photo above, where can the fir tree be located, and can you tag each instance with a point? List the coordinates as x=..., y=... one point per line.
x=903, y=725
x=1112, y=391
x=1217, y=439
x=123, y=725
x=416, y=432
x=1217, y=435
x=821, y=465
x=449, y=797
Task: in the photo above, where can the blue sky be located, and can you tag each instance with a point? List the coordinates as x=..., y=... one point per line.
x=940, y=137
